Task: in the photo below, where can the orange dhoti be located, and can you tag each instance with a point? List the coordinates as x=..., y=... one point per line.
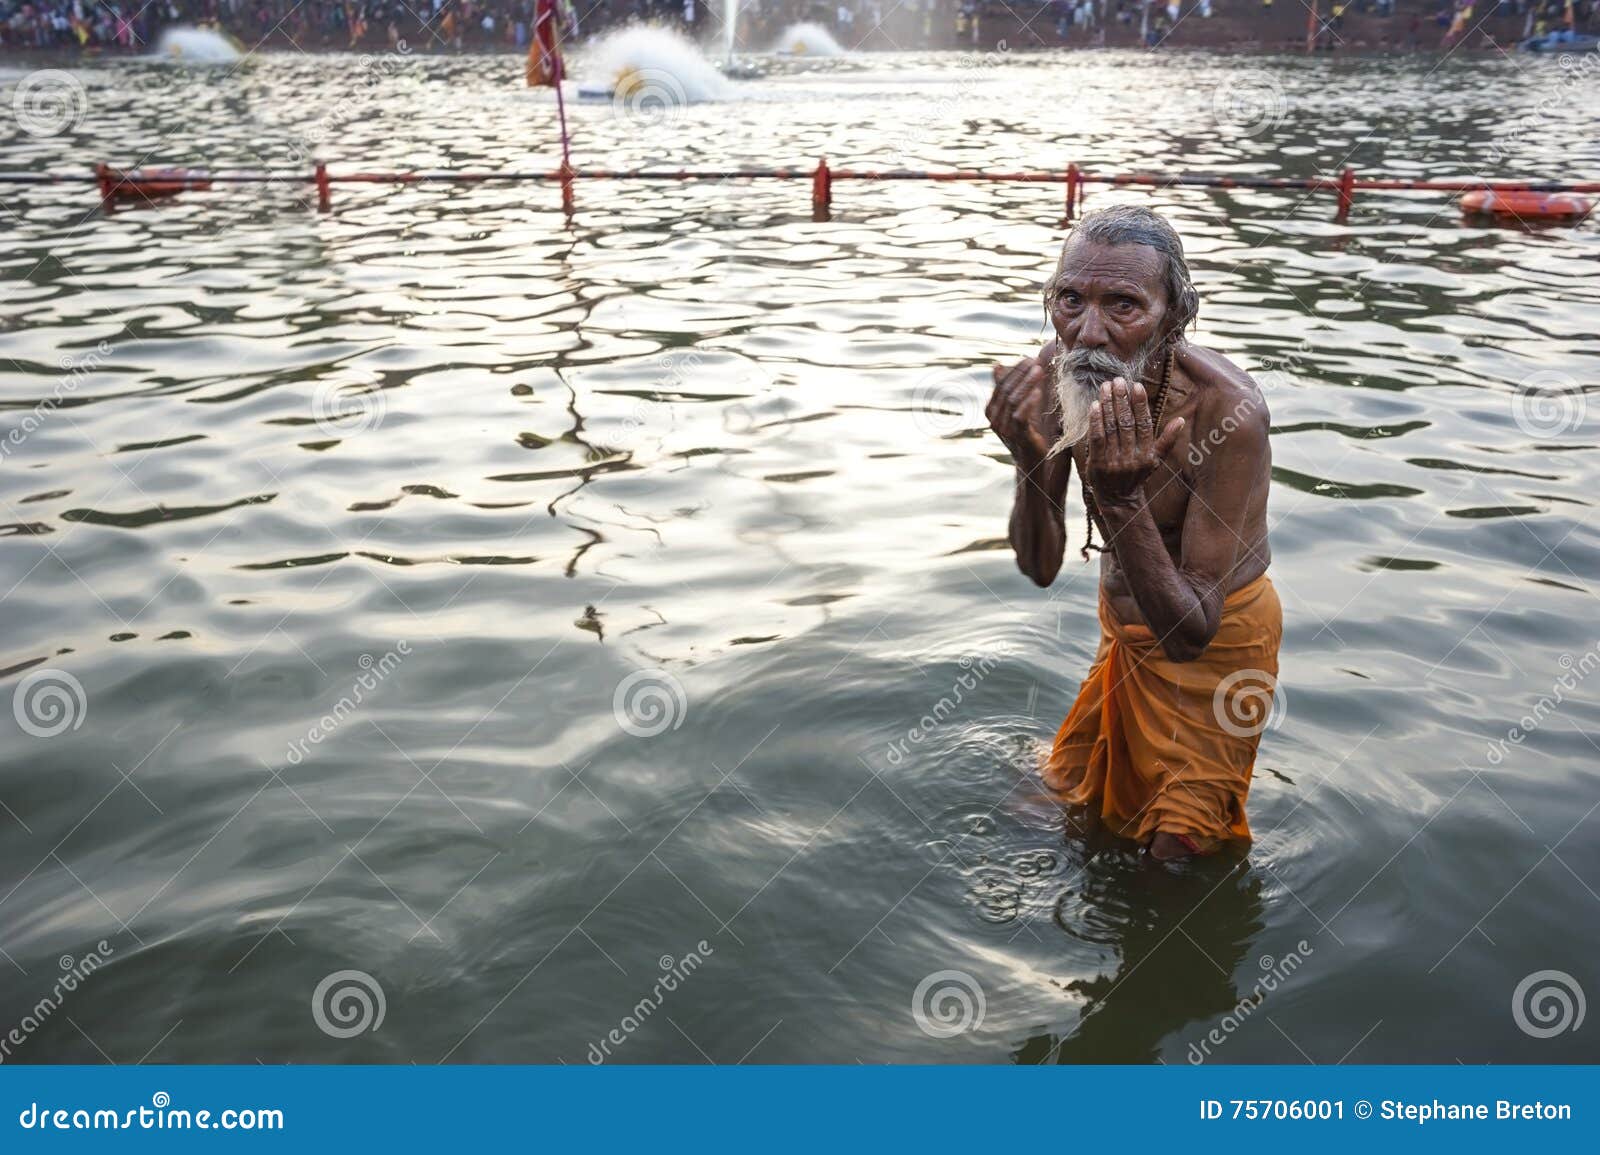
x=1153, y=745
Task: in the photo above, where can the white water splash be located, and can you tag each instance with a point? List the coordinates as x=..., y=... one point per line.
x=808, y=40
x=651, y=56
x=196, y=46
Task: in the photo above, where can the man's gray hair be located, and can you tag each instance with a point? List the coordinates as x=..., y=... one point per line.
x=1137, y=225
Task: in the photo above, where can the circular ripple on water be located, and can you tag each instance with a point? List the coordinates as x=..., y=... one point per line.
x=1003, y=890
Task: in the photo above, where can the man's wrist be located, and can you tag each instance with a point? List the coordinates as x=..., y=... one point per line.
x=1047, y=475
x=1123, y=510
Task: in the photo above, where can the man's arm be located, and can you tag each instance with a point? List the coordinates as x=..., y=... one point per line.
x=1022, y=412
x=1181, y=603
x=1038, y=529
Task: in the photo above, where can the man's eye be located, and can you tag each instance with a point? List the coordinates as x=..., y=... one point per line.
x=1069, y=300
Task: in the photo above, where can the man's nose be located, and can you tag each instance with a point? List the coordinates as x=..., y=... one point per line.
x=1092, y=331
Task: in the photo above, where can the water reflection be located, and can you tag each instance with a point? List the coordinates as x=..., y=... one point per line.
x=1178, y=935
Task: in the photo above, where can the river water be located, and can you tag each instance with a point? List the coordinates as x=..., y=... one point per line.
x=605, y=631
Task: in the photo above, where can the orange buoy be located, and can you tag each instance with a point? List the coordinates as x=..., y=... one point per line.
x=151, y=183
x=1526, y=206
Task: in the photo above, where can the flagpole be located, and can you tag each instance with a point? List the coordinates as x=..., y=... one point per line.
x=566, y=144
x=558, y=73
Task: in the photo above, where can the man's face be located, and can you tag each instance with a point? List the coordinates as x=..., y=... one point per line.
x=1109, y=307
x=1108, y=298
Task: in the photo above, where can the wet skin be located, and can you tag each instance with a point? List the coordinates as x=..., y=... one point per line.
x=1183, y=509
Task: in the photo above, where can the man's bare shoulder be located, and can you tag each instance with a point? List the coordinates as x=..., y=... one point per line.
x=1225, y=396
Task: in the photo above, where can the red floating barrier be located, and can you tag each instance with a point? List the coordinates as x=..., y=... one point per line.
x=147, y=184
x=1526, y=206
x=1527, y=201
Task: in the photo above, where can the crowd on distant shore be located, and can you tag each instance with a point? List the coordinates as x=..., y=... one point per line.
x=478, y=25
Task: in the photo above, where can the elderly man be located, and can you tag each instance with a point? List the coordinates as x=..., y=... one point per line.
x=1170, y=441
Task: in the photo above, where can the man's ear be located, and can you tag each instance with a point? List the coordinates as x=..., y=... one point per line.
x=1171, y=327
x=1188, y=306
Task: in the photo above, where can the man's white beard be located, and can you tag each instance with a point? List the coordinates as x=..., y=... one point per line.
x=1079, y=374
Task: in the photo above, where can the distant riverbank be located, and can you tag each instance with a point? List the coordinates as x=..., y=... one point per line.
x=1264, y=30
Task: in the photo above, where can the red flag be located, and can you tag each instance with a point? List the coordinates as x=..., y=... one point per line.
x=545, y=66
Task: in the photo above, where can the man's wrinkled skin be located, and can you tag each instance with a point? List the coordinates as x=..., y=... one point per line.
x=1183, y=508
